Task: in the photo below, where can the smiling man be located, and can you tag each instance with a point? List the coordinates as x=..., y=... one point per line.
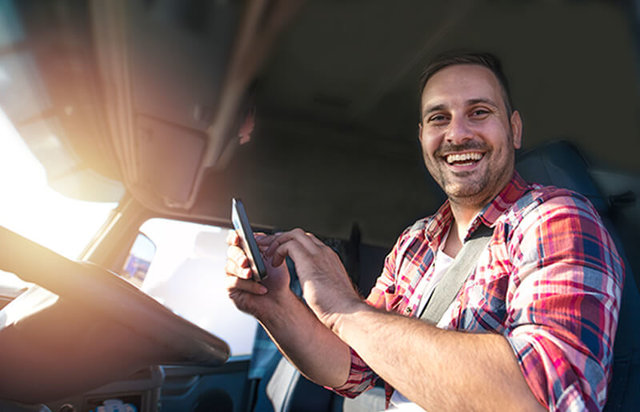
x=469, y=135
x=532, y=325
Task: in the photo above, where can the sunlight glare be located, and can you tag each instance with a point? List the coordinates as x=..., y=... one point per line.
x=32, y=209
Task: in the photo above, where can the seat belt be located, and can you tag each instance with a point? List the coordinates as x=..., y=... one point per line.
x=453, y=279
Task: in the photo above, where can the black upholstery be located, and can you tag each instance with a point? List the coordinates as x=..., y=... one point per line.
x=560, y=164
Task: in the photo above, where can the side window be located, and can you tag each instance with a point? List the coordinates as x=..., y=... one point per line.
x=185, y=272
x=140, y=256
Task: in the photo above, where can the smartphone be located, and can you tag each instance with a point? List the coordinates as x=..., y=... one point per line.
x=247, y=240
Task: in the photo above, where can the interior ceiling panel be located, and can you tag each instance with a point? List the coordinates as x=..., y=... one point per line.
x=353, y=53
x=356, y=65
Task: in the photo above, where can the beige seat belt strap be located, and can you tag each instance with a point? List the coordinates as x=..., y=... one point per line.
x=453, y=279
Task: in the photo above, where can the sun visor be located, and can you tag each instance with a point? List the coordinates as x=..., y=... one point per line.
x=169, y=158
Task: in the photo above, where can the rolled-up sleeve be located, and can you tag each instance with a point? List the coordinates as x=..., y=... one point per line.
x=361, y=378
x=563, y=303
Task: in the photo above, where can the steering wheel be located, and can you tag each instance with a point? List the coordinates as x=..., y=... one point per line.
x=83, y=326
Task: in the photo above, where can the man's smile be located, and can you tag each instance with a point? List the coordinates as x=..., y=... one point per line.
x=463, y=159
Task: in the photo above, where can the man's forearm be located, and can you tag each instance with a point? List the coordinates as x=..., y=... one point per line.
x=314, y=349
x=438, y=369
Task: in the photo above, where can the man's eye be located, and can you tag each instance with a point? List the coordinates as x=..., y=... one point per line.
x=438, y=118
x=479, y=113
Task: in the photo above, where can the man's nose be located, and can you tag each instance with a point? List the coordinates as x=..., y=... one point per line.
x=459, y=130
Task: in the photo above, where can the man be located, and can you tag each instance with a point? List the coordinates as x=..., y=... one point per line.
x=532, y=326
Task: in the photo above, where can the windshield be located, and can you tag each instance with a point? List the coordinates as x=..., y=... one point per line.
x=32, y=209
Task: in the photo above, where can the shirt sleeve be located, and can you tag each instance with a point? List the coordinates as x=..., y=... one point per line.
x=361, y=377
x=563, y=303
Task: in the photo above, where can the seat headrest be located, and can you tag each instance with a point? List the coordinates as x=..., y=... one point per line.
x=560, y=164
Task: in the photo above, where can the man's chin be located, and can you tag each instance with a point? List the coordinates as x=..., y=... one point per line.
x=463, y=193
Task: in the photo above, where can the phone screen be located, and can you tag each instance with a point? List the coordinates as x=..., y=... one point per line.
x=248, y=241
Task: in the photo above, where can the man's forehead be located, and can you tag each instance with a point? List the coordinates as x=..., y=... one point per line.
x=463, y=82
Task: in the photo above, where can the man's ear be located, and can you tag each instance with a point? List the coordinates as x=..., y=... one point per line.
x=516, y=129
x=420, y=131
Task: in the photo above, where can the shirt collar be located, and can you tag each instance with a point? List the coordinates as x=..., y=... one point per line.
x=437, y=227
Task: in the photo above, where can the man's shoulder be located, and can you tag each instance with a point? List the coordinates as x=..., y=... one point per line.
x=416, y=232
x=544, y=198
x=418, y=227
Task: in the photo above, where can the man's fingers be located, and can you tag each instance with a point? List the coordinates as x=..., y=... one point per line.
x=295, y=235
x=295, y=242
x=238, y=267
x=315, y=240
x=232, y=238
x=292, y=248
x=263, y=240
x=244, y=285
x=237, y=255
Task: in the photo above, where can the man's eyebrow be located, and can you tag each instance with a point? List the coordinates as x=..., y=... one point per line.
x=484, y=100
x=431, y=109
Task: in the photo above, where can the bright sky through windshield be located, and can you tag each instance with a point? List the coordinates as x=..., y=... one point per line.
x=32, y=209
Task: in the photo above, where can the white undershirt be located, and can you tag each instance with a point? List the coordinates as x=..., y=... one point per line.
x=441, y=263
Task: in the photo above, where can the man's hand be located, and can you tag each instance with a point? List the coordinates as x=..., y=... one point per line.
x=326, y=286
x=307, y=343
x=255, y=298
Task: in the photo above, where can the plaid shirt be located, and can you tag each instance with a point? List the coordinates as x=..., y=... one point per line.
x=550, y=282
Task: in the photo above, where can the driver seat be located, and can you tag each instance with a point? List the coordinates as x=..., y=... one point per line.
x=560, y=164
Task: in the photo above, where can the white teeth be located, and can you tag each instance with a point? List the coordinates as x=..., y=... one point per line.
x=464, y=157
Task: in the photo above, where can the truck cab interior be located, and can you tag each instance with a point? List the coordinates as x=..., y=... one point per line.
x=129, y=125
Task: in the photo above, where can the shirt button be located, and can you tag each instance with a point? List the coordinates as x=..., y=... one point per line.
x=408, y=311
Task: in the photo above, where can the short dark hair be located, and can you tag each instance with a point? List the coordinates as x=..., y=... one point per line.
x=454, y=58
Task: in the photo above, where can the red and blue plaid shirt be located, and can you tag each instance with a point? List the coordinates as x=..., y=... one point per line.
x=550, y=282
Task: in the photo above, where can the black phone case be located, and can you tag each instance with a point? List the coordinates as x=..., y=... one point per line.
x=249, y=245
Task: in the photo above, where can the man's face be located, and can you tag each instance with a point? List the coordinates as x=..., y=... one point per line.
x=468, y=140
